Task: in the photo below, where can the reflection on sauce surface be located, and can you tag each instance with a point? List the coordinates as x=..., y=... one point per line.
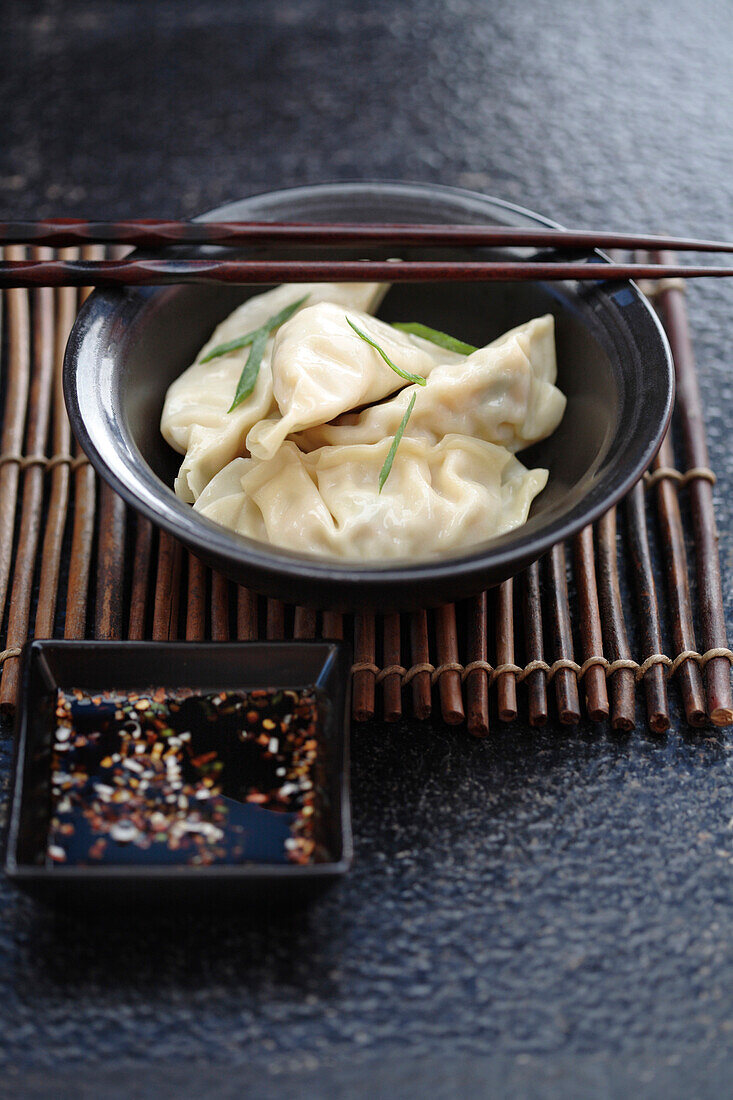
x=179, y=777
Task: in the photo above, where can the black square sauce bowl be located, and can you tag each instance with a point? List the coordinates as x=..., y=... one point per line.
x=95, y=667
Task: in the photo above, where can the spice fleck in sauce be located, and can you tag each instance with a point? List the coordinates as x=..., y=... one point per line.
x=163, y=777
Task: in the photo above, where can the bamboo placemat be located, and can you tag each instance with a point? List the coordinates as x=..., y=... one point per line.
x=557, y=641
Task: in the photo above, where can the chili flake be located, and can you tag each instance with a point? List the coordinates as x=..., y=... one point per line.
x=182, y=777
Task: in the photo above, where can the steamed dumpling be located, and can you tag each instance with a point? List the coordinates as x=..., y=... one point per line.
x=546, y=406
x=224, y=501
x=322, y=368
x=538, y=335
x=196, y=420
x=438, y=498
x=501, y=394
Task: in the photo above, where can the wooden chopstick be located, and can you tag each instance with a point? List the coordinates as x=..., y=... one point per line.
x=153, y=232
x=160, y=272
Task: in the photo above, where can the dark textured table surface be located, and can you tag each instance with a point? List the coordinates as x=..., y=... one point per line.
x=543, y=914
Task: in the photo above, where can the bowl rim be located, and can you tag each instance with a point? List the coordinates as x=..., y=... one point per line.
x=169, y=512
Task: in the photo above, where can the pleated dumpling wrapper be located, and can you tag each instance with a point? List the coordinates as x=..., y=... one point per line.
x=503, y=393
x=439, y=498
x=196, y=420
x=321, y=368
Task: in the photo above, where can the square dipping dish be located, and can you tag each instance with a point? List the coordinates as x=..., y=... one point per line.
x=223, y=674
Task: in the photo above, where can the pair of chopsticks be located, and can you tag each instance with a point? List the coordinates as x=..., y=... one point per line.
x=61, y=233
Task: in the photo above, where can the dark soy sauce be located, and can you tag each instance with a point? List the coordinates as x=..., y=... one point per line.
x=177, y=777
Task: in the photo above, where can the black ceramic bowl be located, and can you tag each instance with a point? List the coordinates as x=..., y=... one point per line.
x=129, y=666
x=614, y=366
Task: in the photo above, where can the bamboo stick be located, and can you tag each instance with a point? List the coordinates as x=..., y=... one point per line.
x=566, y=681
x=167, y=589
x=246, y=615
x=506, y=683
x=85, y=505
x=655, y=687
x=477, y=681
x=19, y=372
x=196, y=600
x=39, y=408
x=332, y=625
x=591, y=634
x=449, y=683
x=622, y=682
x=678, y=588
x=275, y=626
x=112, y=523
x=422, y=702
x=81, y=547
x=304, y=623
x=534, y=646
x=363, y=681
x=140, y=578
x=692, y=428
x=392, y=685
x=58, y=504
x=219, y=607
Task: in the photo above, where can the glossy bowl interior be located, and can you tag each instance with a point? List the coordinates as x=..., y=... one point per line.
x=614, y=366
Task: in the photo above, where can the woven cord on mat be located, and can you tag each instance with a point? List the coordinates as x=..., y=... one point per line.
x=670, y=664
x=145, y=585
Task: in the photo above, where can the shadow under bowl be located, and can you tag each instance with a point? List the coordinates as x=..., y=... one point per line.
x=614, y=366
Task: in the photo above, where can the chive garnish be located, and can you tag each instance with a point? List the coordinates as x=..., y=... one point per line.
x=249, y=337
x=232, y=345
x=442, y=339
x=258, y=339
x=416, y=378
x=248, y=377
x=385, y=471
